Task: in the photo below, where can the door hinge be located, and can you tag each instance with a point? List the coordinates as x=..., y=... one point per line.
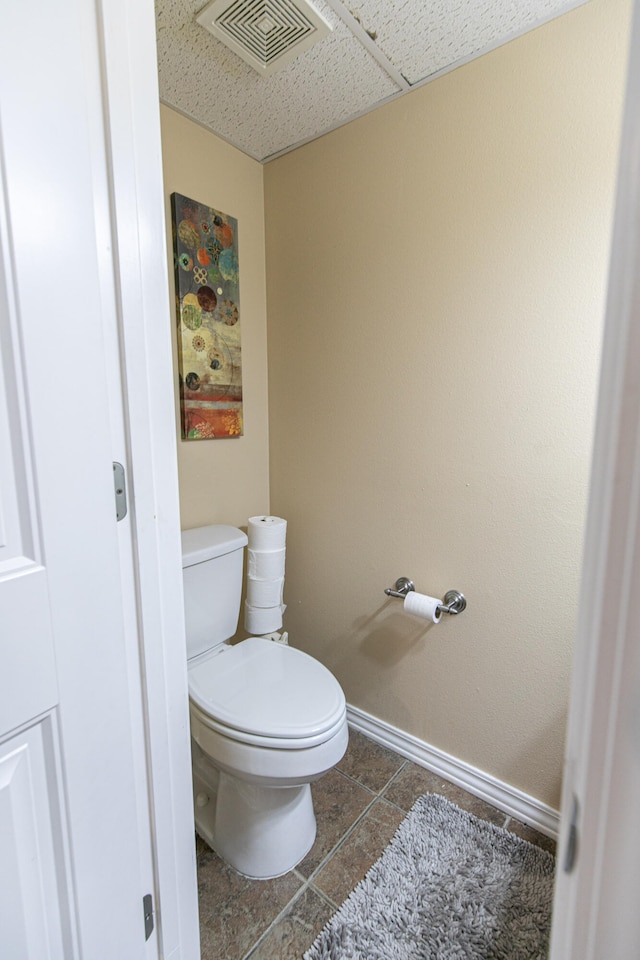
x=120, y=488
x=147, y=907
x=571, y=850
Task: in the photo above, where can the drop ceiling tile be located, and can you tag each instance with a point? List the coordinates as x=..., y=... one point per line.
x=422, y=38
x=327, y=85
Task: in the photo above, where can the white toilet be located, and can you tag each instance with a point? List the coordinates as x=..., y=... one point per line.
x=266, y=719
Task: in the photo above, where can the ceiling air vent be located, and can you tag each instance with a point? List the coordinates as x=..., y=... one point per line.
x=265, y=33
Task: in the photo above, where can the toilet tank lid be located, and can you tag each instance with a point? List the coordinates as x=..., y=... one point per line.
x=205, y=543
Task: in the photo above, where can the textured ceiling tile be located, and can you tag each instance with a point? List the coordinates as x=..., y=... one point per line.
x=422, y=38
x=333, y=81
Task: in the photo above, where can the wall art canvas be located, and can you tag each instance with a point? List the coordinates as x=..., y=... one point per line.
x=208, y=312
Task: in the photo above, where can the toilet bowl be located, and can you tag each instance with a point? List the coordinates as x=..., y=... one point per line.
x=270, y=720
x=266, y=720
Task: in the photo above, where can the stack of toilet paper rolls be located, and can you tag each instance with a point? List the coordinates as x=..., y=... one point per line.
x=263, y=607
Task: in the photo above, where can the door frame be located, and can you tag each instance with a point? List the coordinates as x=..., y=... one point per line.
x=609, y=618
x=595, y=908
x=132, y=119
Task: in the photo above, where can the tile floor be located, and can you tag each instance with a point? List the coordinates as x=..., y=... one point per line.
x=359, y=806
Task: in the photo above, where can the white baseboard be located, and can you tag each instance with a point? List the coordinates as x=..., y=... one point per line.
x=512, y=801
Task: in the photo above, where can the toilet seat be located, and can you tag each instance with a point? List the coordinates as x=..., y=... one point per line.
x=275, y=743
x=267, y=694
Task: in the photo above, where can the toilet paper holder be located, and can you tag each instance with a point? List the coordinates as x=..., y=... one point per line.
x=453, y=602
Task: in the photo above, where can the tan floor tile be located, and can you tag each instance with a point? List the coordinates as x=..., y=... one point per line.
x=528, y=833
x=359, y=852
x=235, y=911
x=413, y=781
x=368, y=762
x=296, y=930
x=338, y=802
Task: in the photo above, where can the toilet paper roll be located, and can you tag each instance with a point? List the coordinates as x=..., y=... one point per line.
x=265, y=564
x=267, y=533
x=424, y=607
x=265, y=593
x=260, y=620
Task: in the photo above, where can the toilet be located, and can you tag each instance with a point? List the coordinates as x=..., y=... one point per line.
x=266, y=719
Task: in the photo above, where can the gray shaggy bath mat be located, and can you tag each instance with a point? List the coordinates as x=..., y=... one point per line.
x=448, y=887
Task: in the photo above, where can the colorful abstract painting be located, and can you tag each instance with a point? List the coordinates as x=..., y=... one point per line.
x=205, y=244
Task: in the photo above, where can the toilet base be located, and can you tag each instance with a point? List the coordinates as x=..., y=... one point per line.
x=262, y=832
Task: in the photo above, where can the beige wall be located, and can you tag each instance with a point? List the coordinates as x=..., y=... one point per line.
x=226, y=480
x=436, y=280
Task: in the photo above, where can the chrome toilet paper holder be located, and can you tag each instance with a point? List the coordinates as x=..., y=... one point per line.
x=454, y=602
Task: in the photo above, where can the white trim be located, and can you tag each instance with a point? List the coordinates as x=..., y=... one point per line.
x=595, y=907
x=137, y=192
x=510, y=800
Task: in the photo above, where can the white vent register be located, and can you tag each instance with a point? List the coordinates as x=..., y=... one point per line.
x=265, y=33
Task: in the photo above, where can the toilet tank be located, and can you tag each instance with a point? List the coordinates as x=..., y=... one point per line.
x=212, y=560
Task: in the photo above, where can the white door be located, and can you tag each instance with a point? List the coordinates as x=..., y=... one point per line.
x=596, y=902
x=75, y=848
